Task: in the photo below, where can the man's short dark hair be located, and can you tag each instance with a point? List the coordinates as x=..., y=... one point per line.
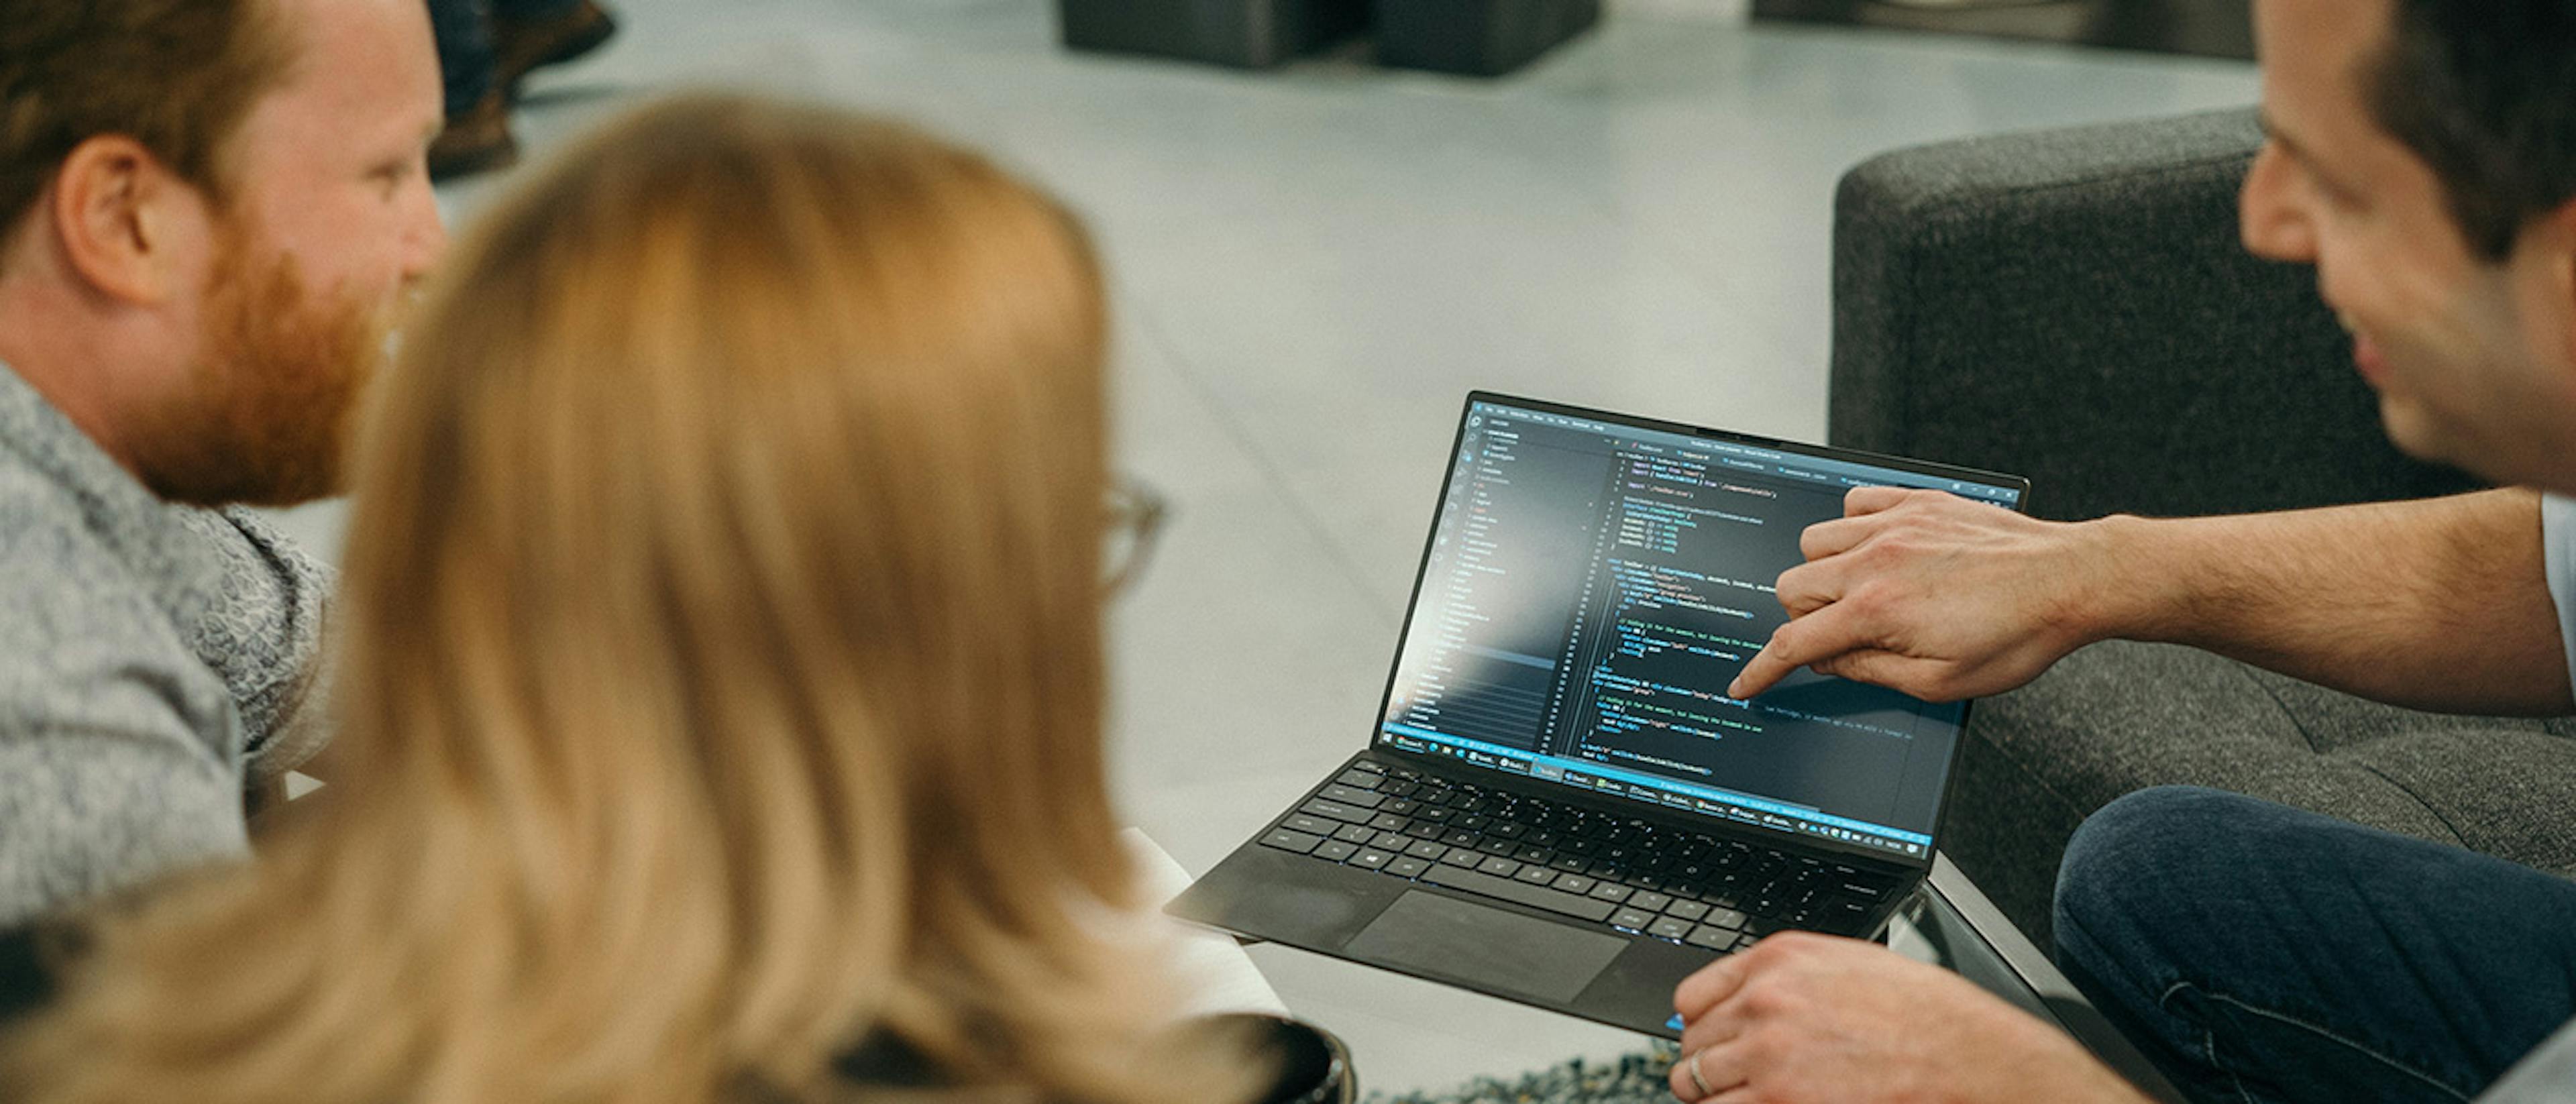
x=2485, y=92
x=178, y=76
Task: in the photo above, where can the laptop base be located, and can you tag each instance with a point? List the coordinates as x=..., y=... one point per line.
x=1499, y=937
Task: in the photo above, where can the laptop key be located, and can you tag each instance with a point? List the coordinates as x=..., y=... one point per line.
x=1370, y=767
x=1612, y=892
x=1499, y=867
x=1725, y=918
x=1336, y=851
x=1388, y=822
x=1574, y=883
x=1532, y=853
x=1629, y=919
x=1715, y=939
x=1460, y=837
x=1427, y=851
x=1460, y=856
x=1335, y=810
x=1286, y=840
x=1408, y=867
x=1372, y=858
x=1311, y=825
x=1359, y=779
x=1508, y=890
x=1353, y=795
x=1667, y=927
x=1391, y=841
x=1649, y=901
x=1687, y=910
x=1535, y=875
x=1839, y=922
x=1355, y=833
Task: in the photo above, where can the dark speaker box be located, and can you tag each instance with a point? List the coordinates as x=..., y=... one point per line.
x=1480, y=38
x=1252, y=34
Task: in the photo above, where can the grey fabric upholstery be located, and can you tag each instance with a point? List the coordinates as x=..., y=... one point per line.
x=2075, y=306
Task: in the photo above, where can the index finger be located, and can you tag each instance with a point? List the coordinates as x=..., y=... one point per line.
x=1821, y=635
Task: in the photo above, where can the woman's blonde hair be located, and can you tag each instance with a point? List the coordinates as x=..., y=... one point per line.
x=723, y=671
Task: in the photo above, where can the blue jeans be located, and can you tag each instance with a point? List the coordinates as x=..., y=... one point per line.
x=2260, y=953
x=464, y=32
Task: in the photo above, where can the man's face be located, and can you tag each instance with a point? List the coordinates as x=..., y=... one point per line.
x=2471, y=358
x=330, y=222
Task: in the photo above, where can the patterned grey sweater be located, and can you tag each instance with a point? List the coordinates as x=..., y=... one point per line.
x=155, y=660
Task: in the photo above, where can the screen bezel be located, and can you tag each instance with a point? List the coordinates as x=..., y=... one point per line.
x=1378, y=743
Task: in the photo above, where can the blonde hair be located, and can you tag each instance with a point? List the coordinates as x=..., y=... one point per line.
x=723, y=681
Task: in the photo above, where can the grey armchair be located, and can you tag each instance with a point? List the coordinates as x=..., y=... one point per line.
x=2074, y=306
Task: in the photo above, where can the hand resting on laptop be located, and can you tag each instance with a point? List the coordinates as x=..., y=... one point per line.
x=1812, y=1018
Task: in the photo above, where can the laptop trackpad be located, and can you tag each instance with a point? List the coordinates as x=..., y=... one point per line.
x=1488, y=948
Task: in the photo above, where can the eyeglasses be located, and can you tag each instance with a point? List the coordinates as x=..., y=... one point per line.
x=1135, y=516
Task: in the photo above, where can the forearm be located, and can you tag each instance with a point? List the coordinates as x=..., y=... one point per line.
x=2441, y=604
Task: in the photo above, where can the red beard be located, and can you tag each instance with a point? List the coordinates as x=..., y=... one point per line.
x=265, y=419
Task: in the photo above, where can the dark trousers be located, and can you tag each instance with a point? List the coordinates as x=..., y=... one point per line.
x=2260, y=953
x=464, y=32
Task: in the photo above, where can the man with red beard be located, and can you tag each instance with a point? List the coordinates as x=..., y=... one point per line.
x=208, y=210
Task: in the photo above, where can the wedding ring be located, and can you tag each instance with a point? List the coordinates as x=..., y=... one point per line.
x=1704, y=1091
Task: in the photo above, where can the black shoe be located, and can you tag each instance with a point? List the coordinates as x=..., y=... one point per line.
x=521, y=47
x=477, y=141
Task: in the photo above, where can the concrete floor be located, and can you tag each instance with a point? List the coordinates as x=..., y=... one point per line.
x=1313, y=266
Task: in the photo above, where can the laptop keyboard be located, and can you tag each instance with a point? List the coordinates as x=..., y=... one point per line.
x=1627, y=873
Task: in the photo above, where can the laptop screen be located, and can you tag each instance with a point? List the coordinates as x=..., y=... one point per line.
x=1592, y=585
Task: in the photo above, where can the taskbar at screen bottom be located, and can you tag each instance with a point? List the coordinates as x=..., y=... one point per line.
x=1662, y=793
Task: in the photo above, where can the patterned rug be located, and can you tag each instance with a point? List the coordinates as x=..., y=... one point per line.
x=1630, y=1079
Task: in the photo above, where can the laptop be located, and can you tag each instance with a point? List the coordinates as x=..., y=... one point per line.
x=1558, y=804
